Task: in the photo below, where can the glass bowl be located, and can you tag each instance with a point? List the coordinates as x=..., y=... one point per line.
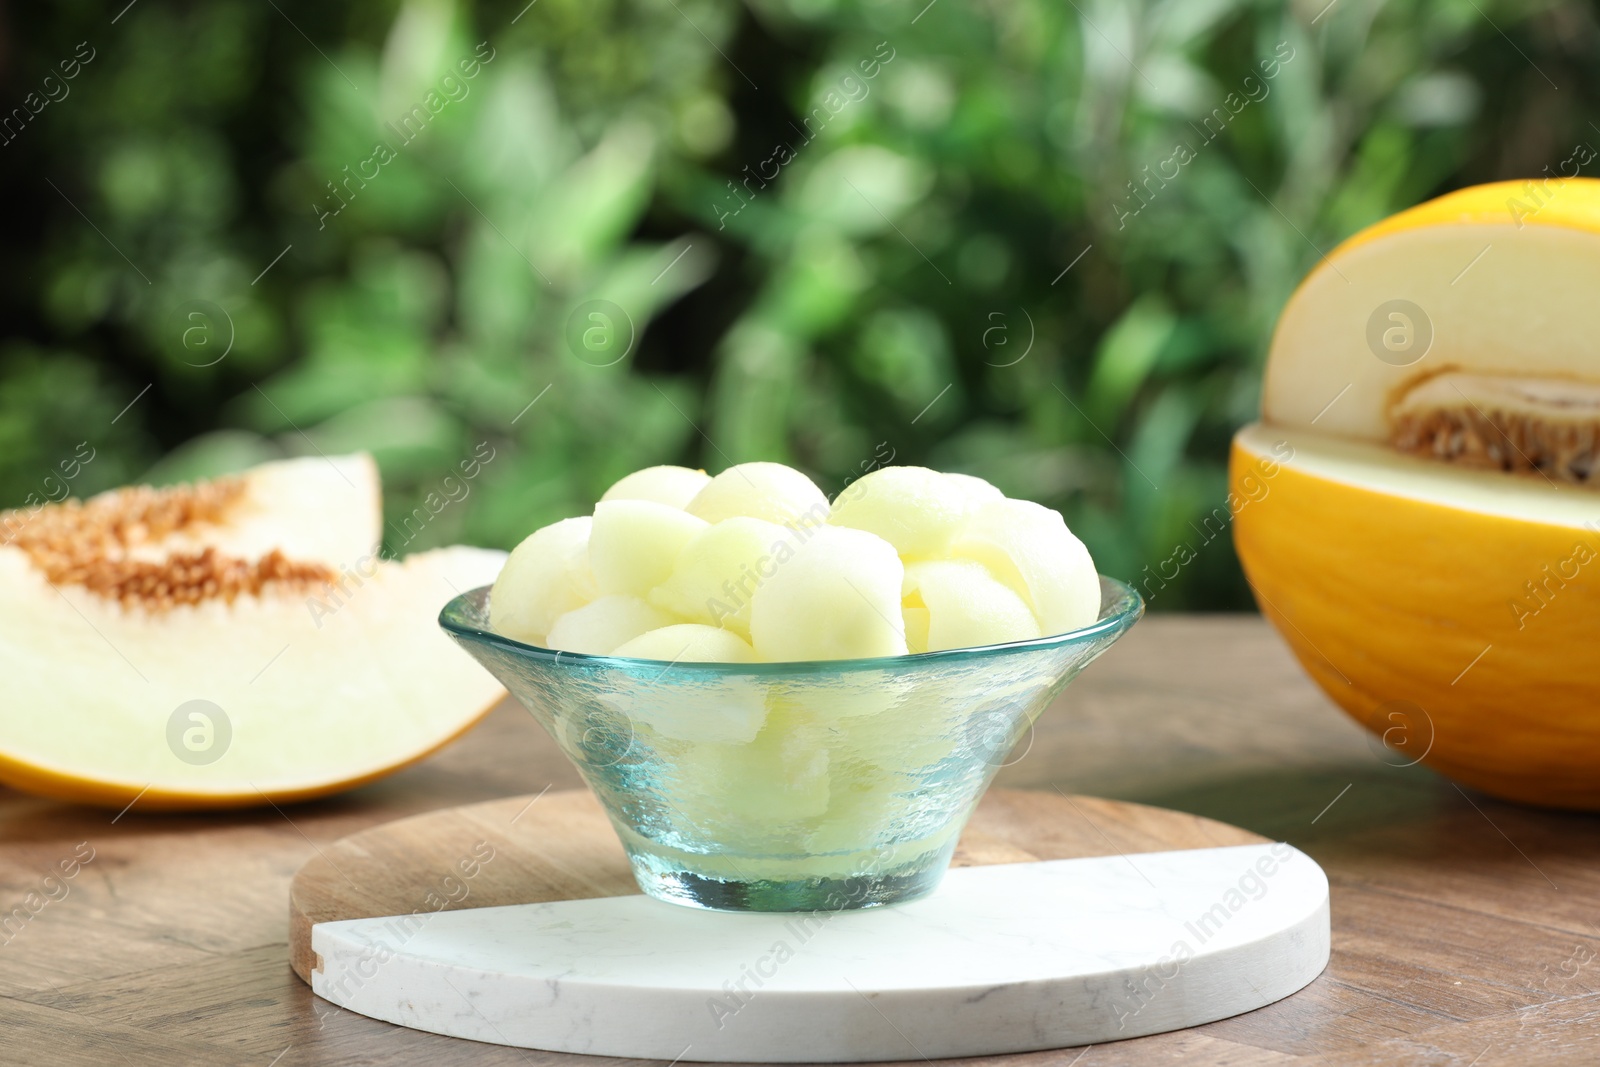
x=790, y=786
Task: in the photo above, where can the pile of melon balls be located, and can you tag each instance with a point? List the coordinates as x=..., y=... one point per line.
x=755, y=565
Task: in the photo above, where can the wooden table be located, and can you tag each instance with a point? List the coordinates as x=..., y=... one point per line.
x=1464, y=930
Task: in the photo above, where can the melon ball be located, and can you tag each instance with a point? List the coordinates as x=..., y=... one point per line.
x=672, y=486
x=916, y=620
x=634, y=544
x=719, y=571
x=767, y=491
x=688, y=642
x=545, y=577
x=975, y=489
x=862, y=798
x=828, y=698
x=721, y=711
x=597, y=628
x=1028, y=547
x=837, y=598
x=966, y=605
x=758, y=794
x=915, y=509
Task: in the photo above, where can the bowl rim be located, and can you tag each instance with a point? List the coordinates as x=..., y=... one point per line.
x=1125, y=608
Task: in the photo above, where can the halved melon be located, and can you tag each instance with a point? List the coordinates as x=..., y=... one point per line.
x=227, y=643
x=1417, y=512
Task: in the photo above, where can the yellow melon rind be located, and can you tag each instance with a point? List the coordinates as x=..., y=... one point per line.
x=1485, y=620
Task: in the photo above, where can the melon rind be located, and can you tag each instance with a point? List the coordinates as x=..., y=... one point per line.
x=1397, y=582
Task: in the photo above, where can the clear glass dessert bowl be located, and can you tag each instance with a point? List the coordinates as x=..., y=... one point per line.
x=790, y=786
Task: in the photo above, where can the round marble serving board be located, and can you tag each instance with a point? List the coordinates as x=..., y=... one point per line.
x=1076, y=922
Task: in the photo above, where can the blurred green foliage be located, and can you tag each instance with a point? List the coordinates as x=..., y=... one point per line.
x=833, y=229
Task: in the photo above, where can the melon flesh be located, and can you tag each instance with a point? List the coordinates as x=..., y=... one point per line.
x=313, y=510
x=966, y=606
x=750, y=793
x=717, y=573
x=324, y=509
x=1497, y=342
x=915, y=509
x=838, y=598
x=600, y=626
x=1400, y=479
x=315, y=674
x=1028, y=548
x=672, y=486
x=974, y=489
x=688, y=642
x=546, y=576
x=634, y=544
x=767, y=491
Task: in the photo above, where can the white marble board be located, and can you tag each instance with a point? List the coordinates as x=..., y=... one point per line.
x=1001, y=958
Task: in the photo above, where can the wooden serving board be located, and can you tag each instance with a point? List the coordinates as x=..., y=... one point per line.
x=517, y=922
x=560, y=846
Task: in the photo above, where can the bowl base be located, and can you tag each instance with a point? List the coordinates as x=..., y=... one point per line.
x=675, y=885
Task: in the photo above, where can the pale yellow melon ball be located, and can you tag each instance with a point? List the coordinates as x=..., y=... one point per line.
x=975, y=489
x=634, y=544
x=688, y=642
x=545, y=577
x=966, y=605
x=730, y=711
x=767, y=491
x=597, y=628
x=718, y=572
x=672, y=486
x=915, y=509
x=916, y=620
x=829, y=697
x=837, y=598
x=758, y=796
x=1028, y=547
x=860, y=799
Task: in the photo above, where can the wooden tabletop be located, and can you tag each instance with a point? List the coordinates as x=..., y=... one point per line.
x=1465, y=931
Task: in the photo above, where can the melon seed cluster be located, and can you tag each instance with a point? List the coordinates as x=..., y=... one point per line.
x=755, y=565
x=97, y=544
x=1499, y=422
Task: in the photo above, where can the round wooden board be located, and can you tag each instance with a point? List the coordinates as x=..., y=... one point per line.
x=560, y=846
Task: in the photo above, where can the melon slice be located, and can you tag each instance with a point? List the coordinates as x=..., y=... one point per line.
x=1469, y=312
x=312, y=510
x=1416, y=509
x=229, y=643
